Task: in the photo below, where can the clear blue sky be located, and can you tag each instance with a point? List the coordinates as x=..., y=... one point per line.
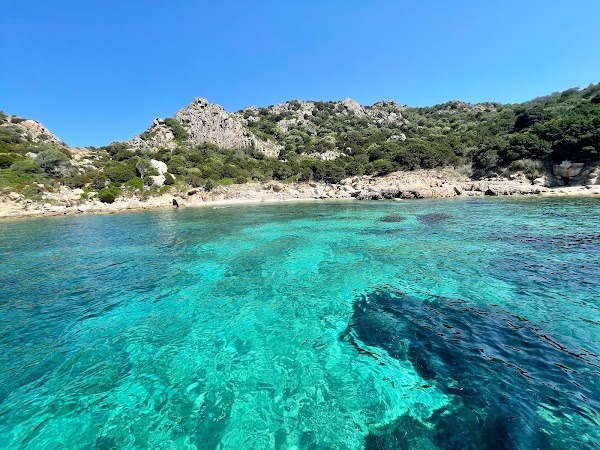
x=98, y=71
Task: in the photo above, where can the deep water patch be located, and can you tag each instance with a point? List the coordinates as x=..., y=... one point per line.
x=512, y=384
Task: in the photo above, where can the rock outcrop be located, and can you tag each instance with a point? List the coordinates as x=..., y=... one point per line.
x=567, y=169
x=207, y=122
x=158, y=136
x=203, y=122
x=161, y=168
x=349, y=107
x=32, y=130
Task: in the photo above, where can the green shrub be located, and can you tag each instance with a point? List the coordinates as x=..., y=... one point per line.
x=194, y=180
x=169, y=179
x=210, y=185
x=135, y=183
x=53, y=162
x=119, y=172
x=24, y=166
x=7, y=159
x=78, y=180
x=109, y=194
x=179, y=132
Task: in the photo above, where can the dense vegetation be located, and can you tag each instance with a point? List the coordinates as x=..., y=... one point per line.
x=488, y=138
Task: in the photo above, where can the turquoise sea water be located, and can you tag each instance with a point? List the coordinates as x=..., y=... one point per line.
x=427, y=324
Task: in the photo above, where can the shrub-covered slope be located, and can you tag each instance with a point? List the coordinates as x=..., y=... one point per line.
x=204, y=146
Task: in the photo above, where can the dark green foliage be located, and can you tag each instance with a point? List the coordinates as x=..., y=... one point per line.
x=10, y=140
x=115, y=148
x=78, y=180
x=210, y=185
x=109, y=194
x=120, y=172
x=7, y=159
x=178, y=131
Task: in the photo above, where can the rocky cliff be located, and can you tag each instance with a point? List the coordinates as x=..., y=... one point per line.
x=204, y=122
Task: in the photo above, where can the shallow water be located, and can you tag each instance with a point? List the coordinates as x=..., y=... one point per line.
x=431, y=324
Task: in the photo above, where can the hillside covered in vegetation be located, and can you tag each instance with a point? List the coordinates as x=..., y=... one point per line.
x=204, y=146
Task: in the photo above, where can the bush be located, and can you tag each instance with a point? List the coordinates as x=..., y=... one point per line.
x=78, y=180
x=169, y=179
x=135, y=183
x=119, y=172
x=109, y=194
x=210, y=185
x=24, y=166
x=53, y=162
x=178, y=131
x=532, y=169
x=8, y=159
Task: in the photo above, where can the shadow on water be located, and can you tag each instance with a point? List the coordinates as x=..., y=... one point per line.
x=511, y=385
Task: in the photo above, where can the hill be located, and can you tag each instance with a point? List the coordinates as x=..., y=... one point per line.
x=204, y=146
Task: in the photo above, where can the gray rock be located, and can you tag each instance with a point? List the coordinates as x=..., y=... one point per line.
x=207, y=122
x=350, y=107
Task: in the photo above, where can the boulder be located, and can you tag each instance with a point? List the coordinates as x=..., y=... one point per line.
x=567, y=169
x=158, y=180
x=159, y=166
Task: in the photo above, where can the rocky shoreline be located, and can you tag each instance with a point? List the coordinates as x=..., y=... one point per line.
x=397, y=186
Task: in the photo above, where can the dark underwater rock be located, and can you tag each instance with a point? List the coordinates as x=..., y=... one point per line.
x=500, y=370
x=392, y=218
x=433, y=218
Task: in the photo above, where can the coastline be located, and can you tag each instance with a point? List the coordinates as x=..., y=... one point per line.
x=398, y=186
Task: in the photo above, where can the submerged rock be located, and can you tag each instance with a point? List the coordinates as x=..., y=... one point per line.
x=392, y=218
x=433, y=218
x=512, y=384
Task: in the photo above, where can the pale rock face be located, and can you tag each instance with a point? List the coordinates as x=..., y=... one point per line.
x=207, y=122
x=161, y=137
x=350, y=107
x=386, y=112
